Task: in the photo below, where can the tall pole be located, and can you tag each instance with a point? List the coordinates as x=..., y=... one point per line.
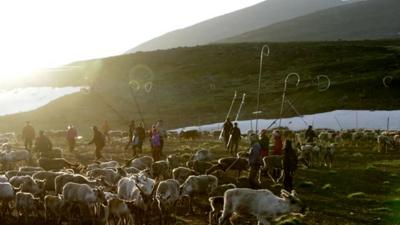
x=340, y=126
x=229, y=113
x=259, y=82
x=387, y=124
x=284, y=92
x=357, y=119
x=237, y=116
x=240, y=107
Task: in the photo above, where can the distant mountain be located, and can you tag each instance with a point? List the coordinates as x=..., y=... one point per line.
x=238, y=22
x=371, y=19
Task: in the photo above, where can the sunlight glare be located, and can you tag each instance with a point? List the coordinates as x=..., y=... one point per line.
x=46, y=33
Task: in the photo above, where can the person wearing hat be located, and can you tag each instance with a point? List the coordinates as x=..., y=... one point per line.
x=99, y=142
x=254, y=161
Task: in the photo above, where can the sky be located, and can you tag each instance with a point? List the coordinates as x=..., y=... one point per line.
x=48, y=33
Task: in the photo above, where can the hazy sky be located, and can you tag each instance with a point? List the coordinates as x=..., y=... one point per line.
x=48, y=33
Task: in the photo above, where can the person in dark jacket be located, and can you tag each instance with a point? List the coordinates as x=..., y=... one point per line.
x=131, y=133
x=28, y=134
x=254, y=161
x=235, y=139
x=227, y=128
x=264, y=142
x=43, y=145
x=138, y=138
x=289, y=165
x=99, y=141
x=310, y=134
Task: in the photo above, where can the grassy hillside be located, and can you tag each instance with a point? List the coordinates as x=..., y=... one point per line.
x=196, y=85
x=371, y=19
x=235, y=23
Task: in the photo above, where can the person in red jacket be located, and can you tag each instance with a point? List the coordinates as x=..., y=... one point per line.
x=278, y=143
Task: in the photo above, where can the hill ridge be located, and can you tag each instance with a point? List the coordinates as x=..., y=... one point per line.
x=237, y=22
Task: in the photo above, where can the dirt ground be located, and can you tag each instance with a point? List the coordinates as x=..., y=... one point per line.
x=363, y=187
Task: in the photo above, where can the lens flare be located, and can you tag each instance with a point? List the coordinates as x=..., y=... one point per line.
x=148, y=86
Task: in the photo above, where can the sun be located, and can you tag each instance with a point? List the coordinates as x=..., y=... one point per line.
x=14, y=73
x=19, y=72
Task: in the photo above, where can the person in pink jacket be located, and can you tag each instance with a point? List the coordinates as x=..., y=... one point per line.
x=155, y=141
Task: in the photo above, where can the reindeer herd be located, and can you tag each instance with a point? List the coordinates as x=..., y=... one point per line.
x=141, y=191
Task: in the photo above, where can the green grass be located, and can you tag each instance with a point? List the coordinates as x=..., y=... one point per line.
x=195, y=85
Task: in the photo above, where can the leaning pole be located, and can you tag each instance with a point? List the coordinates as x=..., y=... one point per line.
x=284, y=93
x=229, y=113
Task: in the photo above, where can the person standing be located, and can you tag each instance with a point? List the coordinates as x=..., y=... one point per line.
x=28, y=135
x=155, y=141
x=71, y=137
x=278, y=143
x=254, y=161
x=138, y=138
x=99, y=142
x=310, y=134
x=130, y=133
x=264, y=142
x=163, y=134
x=235, y=139
x=106, y=129
x=227, y=128
x=289, y=166
x=43, y=145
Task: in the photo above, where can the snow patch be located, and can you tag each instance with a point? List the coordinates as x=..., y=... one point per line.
x=27, y=99
x=336, y=120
